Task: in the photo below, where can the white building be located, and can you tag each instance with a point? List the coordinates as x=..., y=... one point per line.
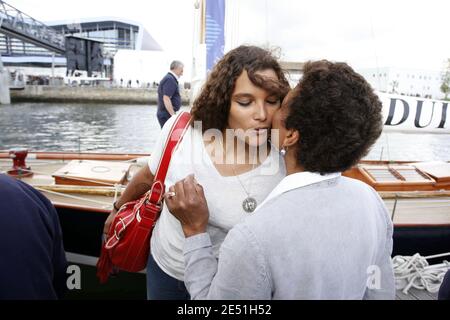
x=115, y=33
x=136, y=56
x=130, y=51
x=409, y=82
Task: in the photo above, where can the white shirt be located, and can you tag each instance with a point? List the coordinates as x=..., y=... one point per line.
x=175, y=75
x=224, y=195
x=297, y=180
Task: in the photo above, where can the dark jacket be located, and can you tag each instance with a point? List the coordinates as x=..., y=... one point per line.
x=32, y=258
x=169, y=87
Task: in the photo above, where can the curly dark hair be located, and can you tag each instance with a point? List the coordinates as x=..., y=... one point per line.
x=337, y=114
x=212, y=106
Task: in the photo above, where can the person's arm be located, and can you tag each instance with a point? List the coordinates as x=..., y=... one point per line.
x=241, y=272
x=168, y=105
x=139, y=185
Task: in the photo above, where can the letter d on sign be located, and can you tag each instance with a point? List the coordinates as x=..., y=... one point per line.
x=392, y=112
x=74, y=280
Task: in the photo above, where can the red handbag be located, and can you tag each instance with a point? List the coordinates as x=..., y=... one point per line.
x=127, y=245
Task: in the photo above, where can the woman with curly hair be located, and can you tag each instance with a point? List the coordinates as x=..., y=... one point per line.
x=318, y=235
x=228, y=150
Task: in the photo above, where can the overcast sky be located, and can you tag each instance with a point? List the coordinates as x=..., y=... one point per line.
x=366, y=33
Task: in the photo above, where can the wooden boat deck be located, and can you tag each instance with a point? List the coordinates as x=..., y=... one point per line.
x=90, y=198
x=419, y=211
x=416, y=294
x=411, y=210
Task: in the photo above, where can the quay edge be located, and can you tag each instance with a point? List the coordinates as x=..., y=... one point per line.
x=42, y=93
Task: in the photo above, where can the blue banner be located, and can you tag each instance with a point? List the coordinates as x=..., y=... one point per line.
x=214, y=35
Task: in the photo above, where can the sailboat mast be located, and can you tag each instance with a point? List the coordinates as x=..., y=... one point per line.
x=202, y=21
x=198, y=49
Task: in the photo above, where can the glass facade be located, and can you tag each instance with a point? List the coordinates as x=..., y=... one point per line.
x=113, y=34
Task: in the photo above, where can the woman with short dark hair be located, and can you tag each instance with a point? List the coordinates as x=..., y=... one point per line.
x=318, y=235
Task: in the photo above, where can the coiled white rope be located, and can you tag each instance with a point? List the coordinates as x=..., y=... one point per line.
x=415, y=272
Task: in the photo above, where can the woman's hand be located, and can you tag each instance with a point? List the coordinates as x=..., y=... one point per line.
x=187, y=202
x=108, y=221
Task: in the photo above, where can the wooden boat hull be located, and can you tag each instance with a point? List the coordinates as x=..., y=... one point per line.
x=82, y=237
x=426, y=240
x=82, y=234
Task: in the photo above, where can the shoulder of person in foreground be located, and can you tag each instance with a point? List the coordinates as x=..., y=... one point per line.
x=15, y=191
x=278, y=217
x=38, y=218
x=370, y=194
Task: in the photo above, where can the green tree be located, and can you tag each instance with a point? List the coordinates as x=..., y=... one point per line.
x=445, y=85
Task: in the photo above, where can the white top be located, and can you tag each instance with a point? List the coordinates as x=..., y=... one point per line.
x=224, y=195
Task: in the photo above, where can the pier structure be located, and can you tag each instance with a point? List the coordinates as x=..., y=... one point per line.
x=18, y=25
x=4, y=85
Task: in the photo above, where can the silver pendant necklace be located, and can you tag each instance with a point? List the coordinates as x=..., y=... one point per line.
x=249, y=204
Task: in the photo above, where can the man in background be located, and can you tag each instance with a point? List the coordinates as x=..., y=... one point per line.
x=169, y=99
x=32, y=258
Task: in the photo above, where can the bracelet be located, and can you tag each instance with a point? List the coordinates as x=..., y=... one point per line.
x=115, y=206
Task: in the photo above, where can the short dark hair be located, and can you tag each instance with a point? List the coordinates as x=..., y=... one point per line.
x=212, y=106
x=337, y=114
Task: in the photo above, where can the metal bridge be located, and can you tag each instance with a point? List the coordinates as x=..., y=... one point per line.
x=16, y=24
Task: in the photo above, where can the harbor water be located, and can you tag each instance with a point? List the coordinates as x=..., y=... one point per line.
x=134, y=129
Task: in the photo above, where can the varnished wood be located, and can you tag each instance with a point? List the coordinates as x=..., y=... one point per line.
x=78, y=156
x=92, y=173
x=413, y=205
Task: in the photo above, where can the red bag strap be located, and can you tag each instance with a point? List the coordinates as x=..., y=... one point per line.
x=173, y=140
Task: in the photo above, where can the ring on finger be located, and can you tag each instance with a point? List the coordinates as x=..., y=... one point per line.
x=171, y=194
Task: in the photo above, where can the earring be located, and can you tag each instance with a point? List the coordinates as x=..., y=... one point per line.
x=283, y=151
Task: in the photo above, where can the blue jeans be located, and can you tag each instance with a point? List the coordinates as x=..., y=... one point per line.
x=162, y=117
x=161, y=286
